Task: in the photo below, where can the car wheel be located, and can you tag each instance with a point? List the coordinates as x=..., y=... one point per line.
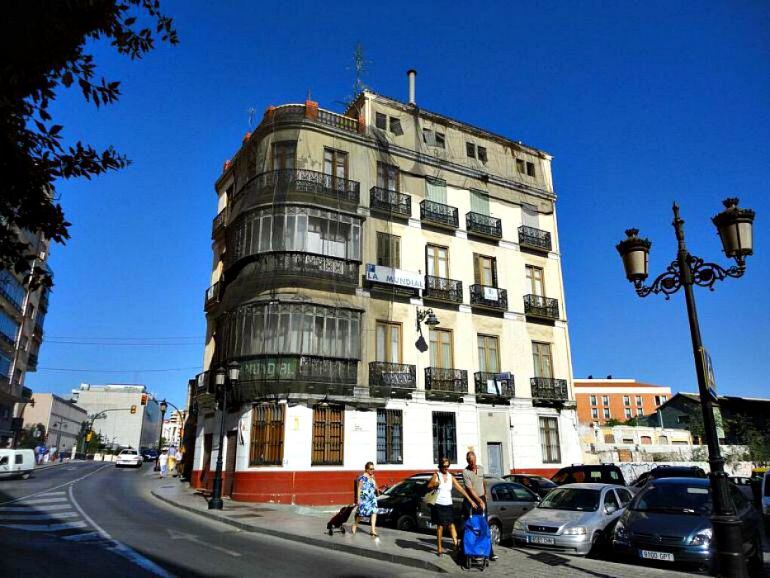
x=406, y=523
x=598, y=544
x=496, y=532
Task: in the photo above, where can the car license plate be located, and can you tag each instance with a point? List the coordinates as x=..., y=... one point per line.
x=650, y=555
x=541, y=540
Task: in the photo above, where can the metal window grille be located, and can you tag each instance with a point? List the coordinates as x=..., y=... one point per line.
x=444, y=436
x=549, y=440
x=267, y=428
x=328, y=435
x=390, y=436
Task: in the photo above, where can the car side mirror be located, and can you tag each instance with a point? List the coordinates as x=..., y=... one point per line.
x=610, y=509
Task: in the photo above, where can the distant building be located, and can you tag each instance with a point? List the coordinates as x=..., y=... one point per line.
x=736, y=415
x=61, y=418
x=600, y=400
x=172, y=428
x=118, y=426
x=22, y=314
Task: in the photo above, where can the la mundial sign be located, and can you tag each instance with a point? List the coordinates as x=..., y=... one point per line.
x=391, y=276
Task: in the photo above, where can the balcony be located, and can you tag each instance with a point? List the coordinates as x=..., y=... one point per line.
x=301, y=185
x=32, y=362
x=440, y=289
x=7, y=339
x=391, y=203
x=212, y=296
x=483, y=226
x=534, y=239
x=445, y=383
x=541, y=307
x=489, y=297
x=205, y=391
x=493, y=387
x=438, y=215
x=304, y=374
x=549, y=389
x=8, y=297
x=290, y=268
x=218, y=226
x=338, y=121
x=301, y=113
x=391, y=379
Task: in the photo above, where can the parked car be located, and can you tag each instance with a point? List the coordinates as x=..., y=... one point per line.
x=574, y=518
x=398, y=505
x=667, y=472
x=148, y=454
x=129, y=458
x=599, y=474
x=740, y=480
x=669, y=521
x=506, y=501
x=16, y=463
x=538, y=484
x=766, y=499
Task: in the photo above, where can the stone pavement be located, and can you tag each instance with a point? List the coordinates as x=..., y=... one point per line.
x=308, y=526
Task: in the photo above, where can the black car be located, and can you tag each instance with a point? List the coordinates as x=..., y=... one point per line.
x=598, y=473
x=667, y=472
x=148, y=455
x=397, y=506
x=538, y=484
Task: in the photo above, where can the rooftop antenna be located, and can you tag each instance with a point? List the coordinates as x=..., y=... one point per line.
x=360, y=67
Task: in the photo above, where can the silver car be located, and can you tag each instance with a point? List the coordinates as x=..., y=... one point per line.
x=574, y=518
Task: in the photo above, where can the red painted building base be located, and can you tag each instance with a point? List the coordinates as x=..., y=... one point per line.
x=311, y=488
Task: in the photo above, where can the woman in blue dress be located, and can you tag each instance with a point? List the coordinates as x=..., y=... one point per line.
x=366, y=499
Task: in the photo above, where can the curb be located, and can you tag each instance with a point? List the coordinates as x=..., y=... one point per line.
x=363, y=552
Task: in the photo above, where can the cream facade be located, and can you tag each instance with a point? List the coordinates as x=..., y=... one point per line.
x=61, y=418
x=334, y=232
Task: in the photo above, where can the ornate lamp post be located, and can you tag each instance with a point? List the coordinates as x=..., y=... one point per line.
x=163, y=407
x=734, y=226
x=225, y=381
x=429, y=318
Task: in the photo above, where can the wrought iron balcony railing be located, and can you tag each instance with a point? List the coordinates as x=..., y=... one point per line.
x=446, y=380
x=212, y=296
x=542, y=307
x=274, y=267
x=280, y=185
x=218, y=225
x=536, y=239
x=548, y=388
x=494, y=384
x=395, y=375
x=484, y=225
x=443, y=289
x=390, y=202
x=439, y=215
x=490, y=297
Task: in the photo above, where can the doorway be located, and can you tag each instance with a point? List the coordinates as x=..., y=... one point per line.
x=208, y=441
x=232, y=447
x=495, y=459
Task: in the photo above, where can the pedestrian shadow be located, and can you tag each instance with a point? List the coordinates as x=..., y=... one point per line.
x=551, y=559
x=411, y=545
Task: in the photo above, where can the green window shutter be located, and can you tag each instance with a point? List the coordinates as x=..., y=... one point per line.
x=479, y=202
x=435, y=190
x=476, y=269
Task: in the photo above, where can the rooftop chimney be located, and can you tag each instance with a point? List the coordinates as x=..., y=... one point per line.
x=411, y=74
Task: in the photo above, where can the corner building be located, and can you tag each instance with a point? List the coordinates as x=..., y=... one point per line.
x=332, y=232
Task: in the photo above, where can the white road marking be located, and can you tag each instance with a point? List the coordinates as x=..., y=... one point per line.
x=28, y=509
x=46, y=527
x=174, y=535
x=30, y=517
x=51, y=494
x=43, y=501
x=55, y=487
x=118, y=547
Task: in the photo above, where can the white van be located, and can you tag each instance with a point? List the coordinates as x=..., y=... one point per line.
x=16, y=463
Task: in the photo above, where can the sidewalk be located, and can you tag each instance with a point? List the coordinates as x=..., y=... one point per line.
x=308, y=526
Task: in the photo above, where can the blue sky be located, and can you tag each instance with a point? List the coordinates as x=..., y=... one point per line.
x=641, y=104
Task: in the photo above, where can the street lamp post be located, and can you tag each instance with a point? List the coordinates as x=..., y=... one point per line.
x=224, y=380
x=734, y=226
x=163, y=407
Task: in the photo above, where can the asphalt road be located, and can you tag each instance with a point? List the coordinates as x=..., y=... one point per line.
x=92, y=519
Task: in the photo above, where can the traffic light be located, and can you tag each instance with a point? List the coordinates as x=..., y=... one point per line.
x=144, y=399
x=133, y=409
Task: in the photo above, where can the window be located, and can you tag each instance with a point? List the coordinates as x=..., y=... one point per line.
x=387, y=176
x=595, y=413
x=11, y=288
x=4, y=461
x=660, y=399
x=336, y=165
x=484, y=270
x=605, y=400
x=390, y=436
x=535, y=280
x=529, y=216
x=628, y=440
x=437, y=261
x=626, y=400
x=639, y=411
x=267, y=425
x=433, y=138
x=9, y=329
x=593, y=400
x=530, y=169
x=638, y=401
x=482, y=154
x=328, y=435
x=646, y=440
x=283, y=155
x=683, y=419
x=435, y=190
x=521, y=167
x=395, y=126
x=381, y=121
x=388, y=250
x=489, y=358
x=606, y=413
x=549, y=440
x=388, y=337
x=479, y=202
x=541, y=357
x=444, y=436
x=624, y=496
x=470, y=150
x=5, y=365
x=441, y=350
x=608, y=439
x=610, y=501
x=628, y=413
